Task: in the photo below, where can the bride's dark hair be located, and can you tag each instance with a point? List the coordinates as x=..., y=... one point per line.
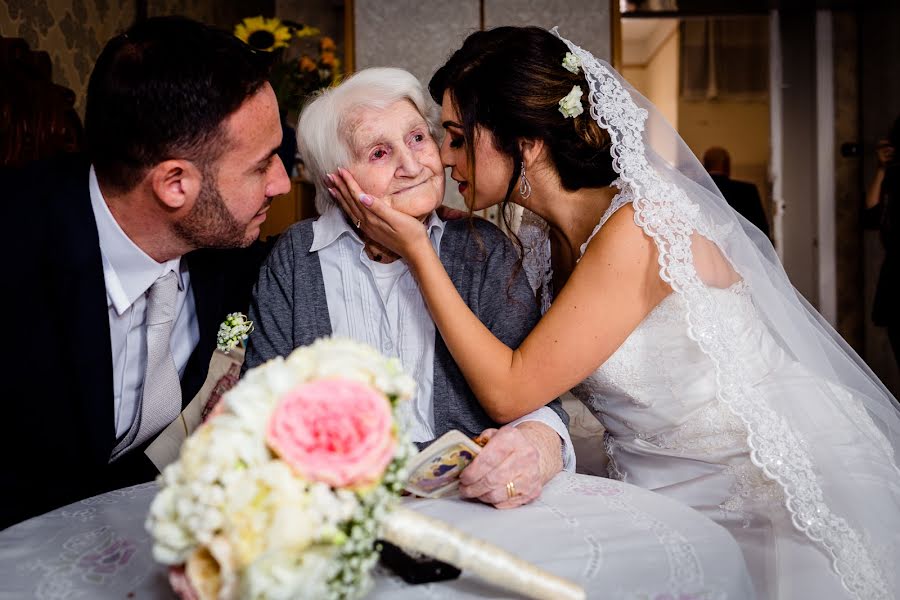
x=509, y=81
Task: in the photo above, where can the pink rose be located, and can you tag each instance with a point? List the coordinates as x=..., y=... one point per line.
x=336, y=431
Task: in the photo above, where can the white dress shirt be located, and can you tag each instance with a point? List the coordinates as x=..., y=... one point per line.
x=380, y=304
x=128, y=273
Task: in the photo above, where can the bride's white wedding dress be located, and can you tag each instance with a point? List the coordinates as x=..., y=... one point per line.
x=668, y=432
x=743, y=403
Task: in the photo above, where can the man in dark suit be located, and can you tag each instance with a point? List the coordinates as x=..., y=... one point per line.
x=122, y=264
x=742, y=196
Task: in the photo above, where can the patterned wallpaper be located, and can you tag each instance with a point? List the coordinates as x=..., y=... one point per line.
x=74, y=31
x=71, y=31
x=221, y=13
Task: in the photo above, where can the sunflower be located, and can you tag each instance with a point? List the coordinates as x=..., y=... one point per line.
x=301, y=31
x=263, y=34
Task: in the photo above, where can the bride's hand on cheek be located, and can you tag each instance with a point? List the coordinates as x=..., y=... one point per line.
x=393, y=229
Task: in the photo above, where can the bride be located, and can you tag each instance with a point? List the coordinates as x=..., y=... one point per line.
x=672, y=318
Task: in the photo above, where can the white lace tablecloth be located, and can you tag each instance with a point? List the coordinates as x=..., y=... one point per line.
x=616, y=540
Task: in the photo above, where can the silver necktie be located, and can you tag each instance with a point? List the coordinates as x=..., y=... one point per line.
x=161, y=395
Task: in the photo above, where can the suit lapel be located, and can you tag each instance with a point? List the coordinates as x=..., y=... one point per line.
x=208, y=288
x=81, y=293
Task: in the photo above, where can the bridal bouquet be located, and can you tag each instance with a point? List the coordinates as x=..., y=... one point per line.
x=284, y=491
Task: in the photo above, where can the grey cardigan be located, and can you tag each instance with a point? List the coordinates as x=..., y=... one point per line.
x=289, y=308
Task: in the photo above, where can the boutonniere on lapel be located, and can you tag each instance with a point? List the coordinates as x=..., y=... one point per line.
x=233, y=331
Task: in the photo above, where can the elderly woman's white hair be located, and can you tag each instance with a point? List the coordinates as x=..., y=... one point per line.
x=322, y=132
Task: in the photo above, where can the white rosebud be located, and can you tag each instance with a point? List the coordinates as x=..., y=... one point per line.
x=570, y=105
x=571, y=63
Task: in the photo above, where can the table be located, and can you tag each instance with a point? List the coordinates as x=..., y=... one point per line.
x=616, y=540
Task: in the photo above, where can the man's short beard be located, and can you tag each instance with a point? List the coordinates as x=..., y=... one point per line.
x=209, y=224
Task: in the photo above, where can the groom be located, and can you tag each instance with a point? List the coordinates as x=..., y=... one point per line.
x=121, y=265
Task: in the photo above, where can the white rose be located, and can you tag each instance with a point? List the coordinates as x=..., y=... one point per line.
x=571, y=63
x=570, y=105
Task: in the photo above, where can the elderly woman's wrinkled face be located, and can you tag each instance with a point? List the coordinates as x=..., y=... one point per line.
x=396, y=159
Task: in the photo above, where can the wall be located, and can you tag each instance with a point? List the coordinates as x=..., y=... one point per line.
x=220, y=13
x=432, y=29
x=650, y=62
x=439, y=28
x=71, y=31
x=740, y=127
x=797, y=95
x=662, y=80
x=636, y=76
x=584, y=22
x=848, y=193
x=650, y=53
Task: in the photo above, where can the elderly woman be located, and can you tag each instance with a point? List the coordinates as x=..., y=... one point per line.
x=325, y=278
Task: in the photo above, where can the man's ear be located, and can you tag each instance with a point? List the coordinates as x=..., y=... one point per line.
x=176, y=183
x=532, y=151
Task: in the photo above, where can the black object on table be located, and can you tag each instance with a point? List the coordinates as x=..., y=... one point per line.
x=415, y=570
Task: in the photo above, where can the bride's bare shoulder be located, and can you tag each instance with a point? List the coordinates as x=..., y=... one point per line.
x=620, y=235
x=623, y=255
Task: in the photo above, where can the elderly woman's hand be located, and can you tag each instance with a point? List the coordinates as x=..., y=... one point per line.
x=393, y=229
x=513, y=467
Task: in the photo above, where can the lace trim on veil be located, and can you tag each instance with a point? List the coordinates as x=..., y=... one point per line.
x=666, y=214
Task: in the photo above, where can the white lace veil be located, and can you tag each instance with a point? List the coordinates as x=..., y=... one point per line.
x=825, y=477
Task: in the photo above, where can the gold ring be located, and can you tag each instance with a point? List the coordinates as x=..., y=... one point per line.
x=511, y=490
x=358, y=224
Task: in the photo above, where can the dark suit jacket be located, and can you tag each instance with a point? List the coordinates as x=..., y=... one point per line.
x=57, y=429
x=744, y=198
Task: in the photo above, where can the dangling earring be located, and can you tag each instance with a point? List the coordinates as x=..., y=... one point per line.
x=524, y=186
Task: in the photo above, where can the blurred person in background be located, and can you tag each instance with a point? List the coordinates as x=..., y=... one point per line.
x=742, y=196
x=882, y=204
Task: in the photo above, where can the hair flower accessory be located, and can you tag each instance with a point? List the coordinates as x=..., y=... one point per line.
x=571, y=63
x=233, y=331
x=570, y=105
